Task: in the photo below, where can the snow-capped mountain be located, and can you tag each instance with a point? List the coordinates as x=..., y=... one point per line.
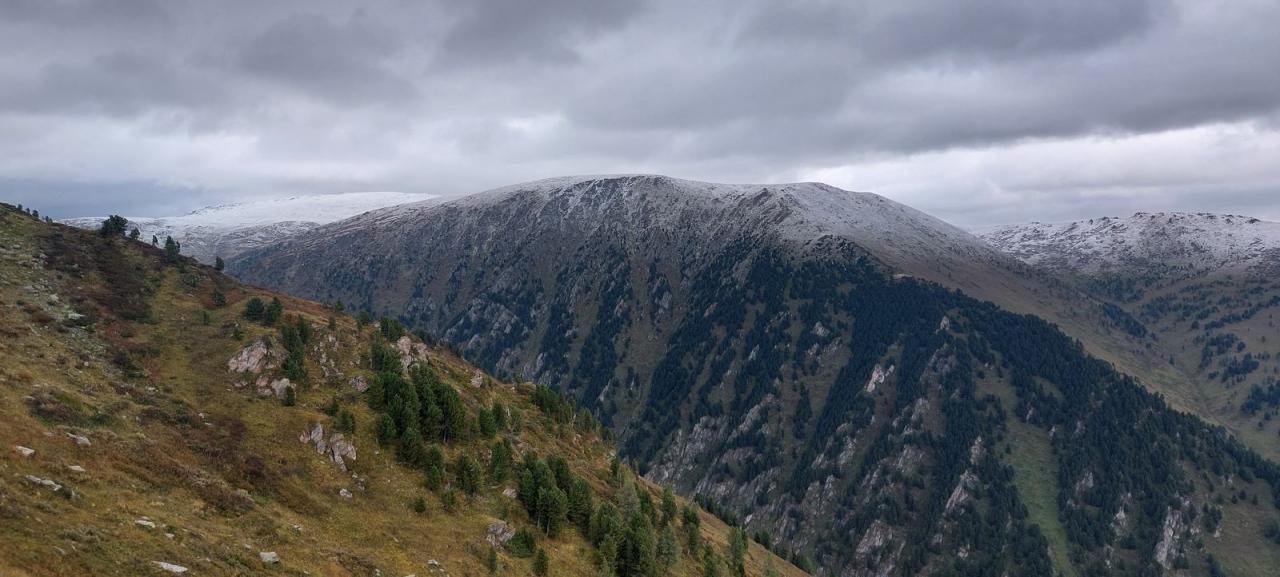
x=1165, y=244
x=226, y=230
x=771, y=347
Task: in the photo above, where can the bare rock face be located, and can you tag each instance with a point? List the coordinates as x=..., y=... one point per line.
x=254, y=359
x=336, y=447
x=360, y=383
x=498, y=534
x=411, y=352
x=276, y=388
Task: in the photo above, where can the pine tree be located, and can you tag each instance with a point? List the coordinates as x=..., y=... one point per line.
x=172, y=250
x=386, y=430
x=581, y=505
x=540, y=563
x=155, y=240
x=114, y=225
x=134, y=234
x=500, y=461
x=711, y=564
x=468, y=475
x=639, y=549
x=290, y=397
x=254, y=309
x=420, y=505
x=346, y=421
x=220, y=298
x=668, y=548
x=218, y=265
x=628, y=501
x=434, y=468
x=692, y=526
x=273, y=312
x=491, y=562
x=668, y=507
x=738, y=551
x=487, y=424
x=553, y=510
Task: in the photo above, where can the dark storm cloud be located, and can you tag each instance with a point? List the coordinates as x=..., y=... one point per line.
x=240, y=97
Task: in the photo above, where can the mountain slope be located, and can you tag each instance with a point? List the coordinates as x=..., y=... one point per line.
x=229, y=229
x=1204, y=284
x=775, y=349
x=144, y=434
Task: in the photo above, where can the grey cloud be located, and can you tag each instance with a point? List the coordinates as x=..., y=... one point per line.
x=241, y=97
x=490, y=31
x=346, y=63
x=890, y=32
x=113, y=84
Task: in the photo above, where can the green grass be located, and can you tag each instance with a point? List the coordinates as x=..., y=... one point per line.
x=1036, y=476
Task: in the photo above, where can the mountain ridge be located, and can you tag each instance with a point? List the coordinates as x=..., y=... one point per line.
x=826, y=390
x=225, y=230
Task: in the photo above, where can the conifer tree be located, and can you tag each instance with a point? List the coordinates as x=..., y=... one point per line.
x=172, y=250
x=434, y=468
x=668, y=548
x=668, y=507
x=738, y=551
x=386, y=430
x=114, y=225
x=541, y=565
x=218, y=264
x=255, y=309
x=468, y=475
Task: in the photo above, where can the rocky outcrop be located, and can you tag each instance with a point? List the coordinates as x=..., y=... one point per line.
x=335, y=447
x=254, y=359
x=498, y=534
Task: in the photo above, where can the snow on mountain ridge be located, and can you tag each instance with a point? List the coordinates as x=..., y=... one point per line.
x=226, y=230
x=1165, y=242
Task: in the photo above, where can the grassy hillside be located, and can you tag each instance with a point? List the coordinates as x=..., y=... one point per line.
x=129, y=443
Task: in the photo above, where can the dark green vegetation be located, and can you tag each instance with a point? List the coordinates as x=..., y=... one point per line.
x=873, y=422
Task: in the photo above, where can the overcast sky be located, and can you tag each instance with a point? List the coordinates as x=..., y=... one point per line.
x=977, y=111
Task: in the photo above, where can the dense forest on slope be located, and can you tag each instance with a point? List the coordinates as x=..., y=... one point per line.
x=879, y=423
x=161, y=418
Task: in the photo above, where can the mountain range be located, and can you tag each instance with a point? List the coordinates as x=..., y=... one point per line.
x=1203, y=285
x=226, y=230
x=869, y=384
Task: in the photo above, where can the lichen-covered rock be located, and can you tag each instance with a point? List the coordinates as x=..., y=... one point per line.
x=274, y=388
x=254, y=358
x=336, y=447
x=498, y=534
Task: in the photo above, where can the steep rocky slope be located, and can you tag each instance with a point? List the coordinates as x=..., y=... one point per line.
x=150, y=428
x=791, y=352
x=229, y=229
x=1205, y=285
